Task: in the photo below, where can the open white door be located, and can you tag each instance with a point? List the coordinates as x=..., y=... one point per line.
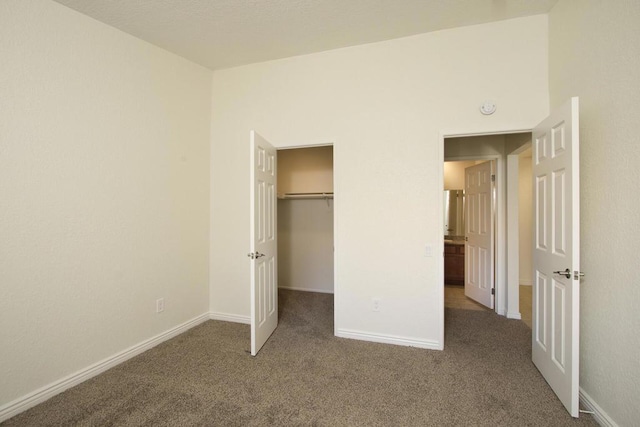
x=264, y=247
x=479, y=254
x=556, y=257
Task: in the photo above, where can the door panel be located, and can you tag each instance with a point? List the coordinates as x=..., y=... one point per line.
x=479, y=245
x=555, y=335
x=264, y=272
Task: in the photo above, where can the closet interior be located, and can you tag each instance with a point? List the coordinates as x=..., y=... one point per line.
x=305, y=219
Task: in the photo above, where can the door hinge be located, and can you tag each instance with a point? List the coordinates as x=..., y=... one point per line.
x=493, y=291
x=493, y=178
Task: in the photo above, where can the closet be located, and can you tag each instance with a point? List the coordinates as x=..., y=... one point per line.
x=305, y=219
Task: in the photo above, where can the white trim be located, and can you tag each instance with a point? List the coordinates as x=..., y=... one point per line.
x=336, y=206
x=312, y=145
x=440, y=242
x=44, y=393
x=389, y=339
x=599, y=415
x=227, y=317
x=464, y=134
x=516, y=315
x=513, y=239
x=293, y=288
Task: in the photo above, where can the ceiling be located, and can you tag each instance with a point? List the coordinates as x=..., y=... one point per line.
x=227, y=33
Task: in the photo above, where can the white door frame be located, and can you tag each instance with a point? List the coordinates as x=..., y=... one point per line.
x=513, y=239
x=336, y=203
x=501, y=300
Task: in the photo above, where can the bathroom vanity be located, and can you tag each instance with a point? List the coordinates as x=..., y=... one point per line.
x=454, y=262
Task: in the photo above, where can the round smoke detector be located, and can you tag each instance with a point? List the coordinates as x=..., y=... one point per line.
x=488, y=107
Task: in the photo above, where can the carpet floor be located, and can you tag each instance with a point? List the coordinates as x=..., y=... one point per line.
x=306, y=376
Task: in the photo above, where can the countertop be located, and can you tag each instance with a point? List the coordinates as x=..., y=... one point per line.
x=453, y=242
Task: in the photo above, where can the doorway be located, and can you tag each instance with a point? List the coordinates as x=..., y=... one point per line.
x=305, y=232
x=305, y=219
x=469, y=237
x=505, y=149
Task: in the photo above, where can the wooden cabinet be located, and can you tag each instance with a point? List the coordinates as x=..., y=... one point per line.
x=453, y=264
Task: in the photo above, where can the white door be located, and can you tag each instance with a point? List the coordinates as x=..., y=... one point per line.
x=264, y=248
x=556, y=247
x=479, y=255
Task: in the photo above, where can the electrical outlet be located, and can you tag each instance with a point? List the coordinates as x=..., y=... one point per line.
x=160, y=305
x=375, y=304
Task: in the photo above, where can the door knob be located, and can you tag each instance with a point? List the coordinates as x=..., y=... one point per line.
x=566, y=273
x=255, y=255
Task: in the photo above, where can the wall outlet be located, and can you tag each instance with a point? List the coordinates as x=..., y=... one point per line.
x=375, y=304
x=160, y=305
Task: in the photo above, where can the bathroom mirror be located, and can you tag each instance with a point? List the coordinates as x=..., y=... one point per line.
x=454, y=212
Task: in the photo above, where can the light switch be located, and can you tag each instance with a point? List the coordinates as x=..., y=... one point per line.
x=428, y=250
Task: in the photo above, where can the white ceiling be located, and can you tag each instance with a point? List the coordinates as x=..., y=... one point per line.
x=226, y=33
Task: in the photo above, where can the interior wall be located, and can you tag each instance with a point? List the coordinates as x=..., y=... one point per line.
x=305, y=170
x=525, y=218
x=454, y=174
x=384, y=106
x=305, y=245
x=604, y=45
x=104, y=192
x=470, y=146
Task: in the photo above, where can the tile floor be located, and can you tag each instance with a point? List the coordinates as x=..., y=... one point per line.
x=454, y=298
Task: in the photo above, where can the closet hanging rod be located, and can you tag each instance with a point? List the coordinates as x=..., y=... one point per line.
x=305, y=196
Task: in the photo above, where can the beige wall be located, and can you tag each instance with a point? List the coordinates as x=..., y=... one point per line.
x=383, y=106
x=454, y=174
x=305, y=245
x=525, y=218
x=484, y=145
x=104, y=192
x=595, y=54
x=307, y=170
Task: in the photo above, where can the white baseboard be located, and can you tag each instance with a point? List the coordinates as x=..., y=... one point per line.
x=389, y=339
x=511, y=315
x=44, y=393
x=226, y=317
x=292, y=288
x=599, y=415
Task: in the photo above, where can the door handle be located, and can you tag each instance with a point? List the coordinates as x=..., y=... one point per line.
x=255, y=255
x=566, y=273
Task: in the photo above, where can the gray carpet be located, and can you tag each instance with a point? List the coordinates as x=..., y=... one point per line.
x=306, y=376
